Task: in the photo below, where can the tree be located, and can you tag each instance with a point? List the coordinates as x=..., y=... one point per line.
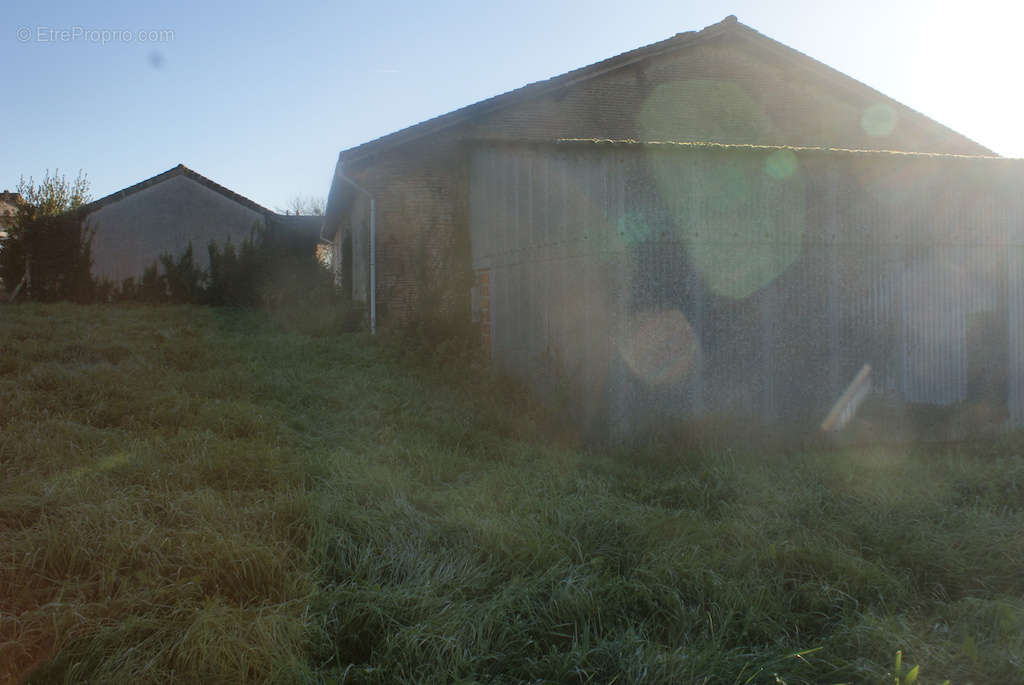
x=47, y=253
x=55, y=194
x=305, y=206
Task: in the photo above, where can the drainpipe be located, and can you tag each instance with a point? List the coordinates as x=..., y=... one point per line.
x=373, y=248
x=323, y=225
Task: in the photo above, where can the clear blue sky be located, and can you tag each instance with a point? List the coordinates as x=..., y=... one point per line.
x=262, y=96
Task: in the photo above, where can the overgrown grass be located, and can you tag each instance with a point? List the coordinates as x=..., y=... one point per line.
x=196, y=495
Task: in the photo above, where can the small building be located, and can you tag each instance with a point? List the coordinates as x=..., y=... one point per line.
x=163, y=214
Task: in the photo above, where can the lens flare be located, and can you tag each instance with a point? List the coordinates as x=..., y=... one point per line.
x=749, y=226
x=780, y=164
x=878, y=120
x=703, y=110
x=633, y=228
x=741, y=215
x=661, y=346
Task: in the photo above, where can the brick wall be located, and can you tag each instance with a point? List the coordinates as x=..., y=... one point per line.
x=725, y=90
x=422, y=227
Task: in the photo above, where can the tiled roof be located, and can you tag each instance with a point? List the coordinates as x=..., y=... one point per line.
x=681, y=40
x=12, y=198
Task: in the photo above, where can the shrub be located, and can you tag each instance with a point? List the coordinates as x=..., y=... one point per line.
x=274, y=268
x=183, y=277
x=47, y=253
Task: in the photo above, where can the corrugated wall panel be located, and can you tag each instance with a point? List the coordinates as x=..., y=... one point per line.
x=1015, y=305
x=721, y=282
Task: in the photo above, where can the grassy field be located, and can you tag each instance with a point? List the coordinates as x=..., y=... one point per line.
x=194, y=495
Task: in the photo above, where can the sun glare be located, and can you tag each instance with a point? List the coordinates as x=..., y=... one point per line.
x=963, y=69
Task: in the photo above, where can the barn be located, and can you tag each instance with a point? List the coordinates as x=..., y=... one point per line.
x=680, y=280
x=714, y=224
x=163, y=214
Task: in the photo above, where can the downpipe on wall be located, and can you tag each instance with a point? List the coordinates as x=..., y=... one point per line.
x=373, y=248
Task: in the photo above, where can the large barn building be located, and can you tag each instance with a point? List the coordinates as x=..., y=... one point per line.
x=712, y=224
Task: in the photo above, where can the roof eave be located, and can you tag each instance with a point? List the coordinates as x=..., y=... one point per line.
x=730, y=24
x=180, y=170
x=535, y=90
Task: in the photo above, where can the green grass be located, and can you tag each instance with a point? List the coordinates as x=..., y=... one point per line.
x=194, y=495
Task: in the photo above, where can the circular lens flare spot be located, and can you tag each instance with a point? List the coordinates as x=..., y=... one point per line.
x=633, y=228
x=661, y=346
x=780, y=164
x=878, y=120
x=705, y=110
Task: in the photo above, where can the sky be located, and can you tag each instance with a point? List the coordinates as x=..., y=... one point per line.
x=261, y=97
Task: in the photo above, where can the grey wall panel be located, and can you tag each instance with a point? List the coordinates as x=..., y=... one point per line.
x=132, y=233
x=696, y=282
